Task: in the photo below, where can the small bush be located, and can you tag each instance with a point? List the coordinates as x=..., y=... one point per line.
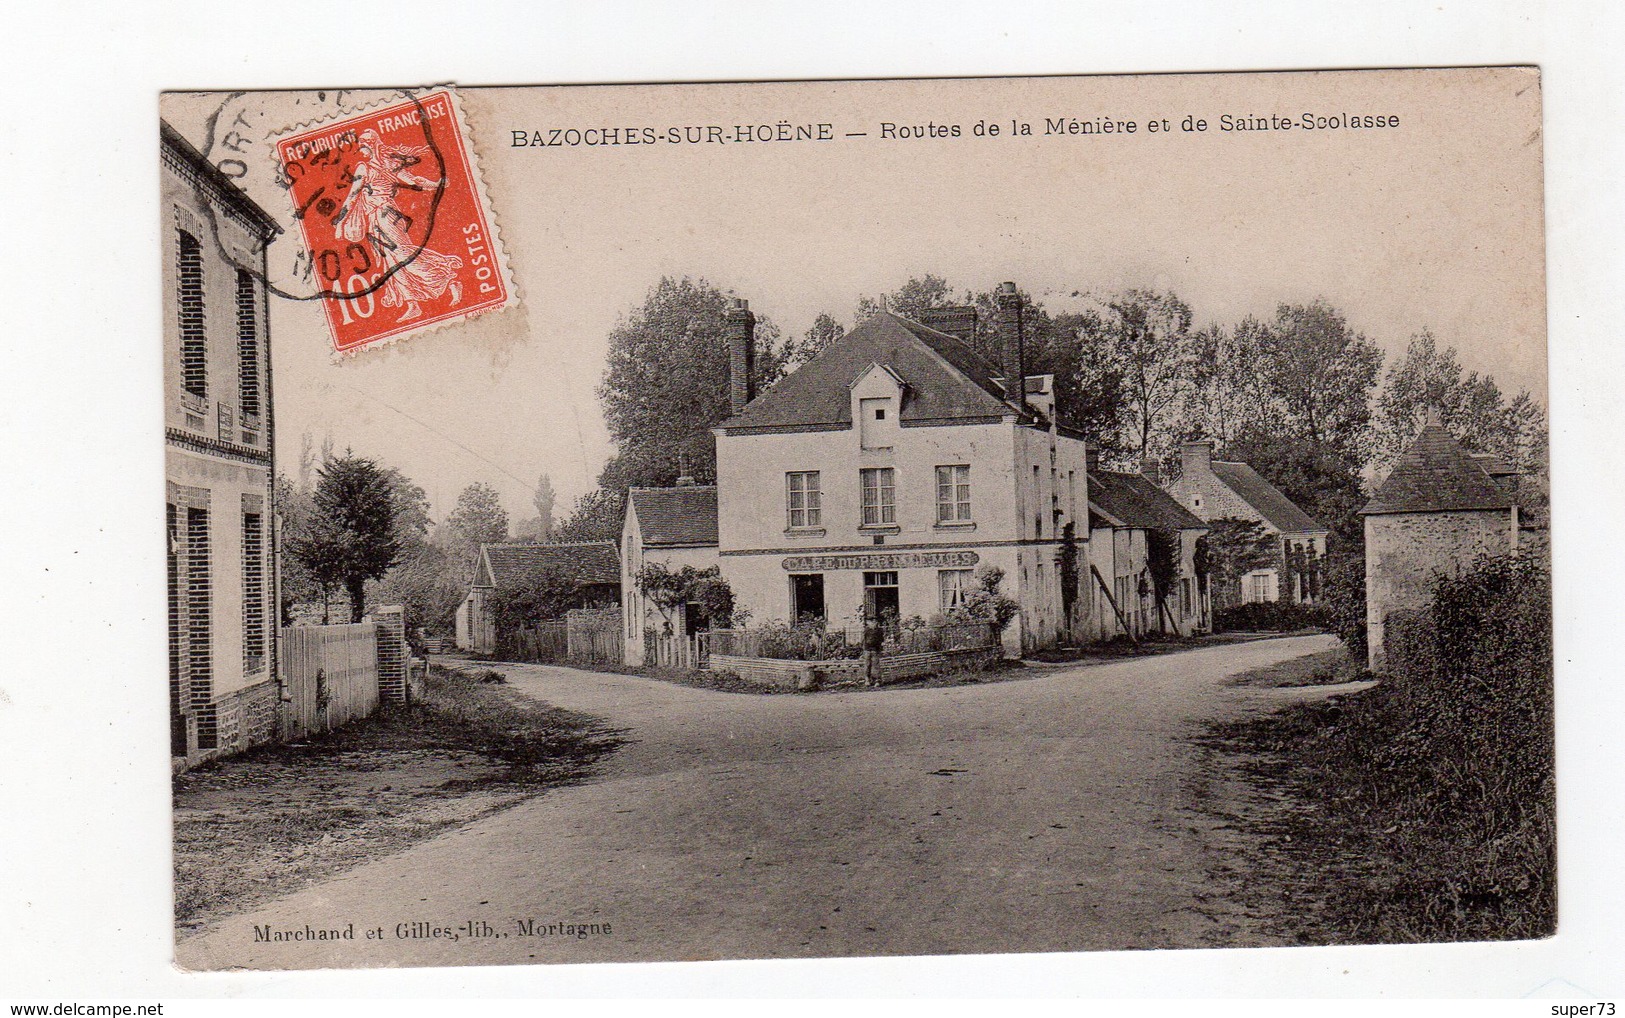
x=1270, y=617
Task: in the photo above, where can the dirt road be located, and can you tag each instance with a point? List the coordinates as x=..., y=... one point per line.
x=1049, y=813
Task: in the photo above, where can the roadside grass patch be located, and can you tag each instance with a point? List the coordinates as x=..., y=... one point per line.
x=1327, y=668
x=254, y=826
x=1421, y=809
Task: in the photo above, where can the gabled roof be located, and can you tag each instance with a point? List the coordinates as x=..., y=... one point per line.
x=507, y=566
x=1435, y=474
x=1266, y=499
x=1131, y=500
x=680, y=517
x=947, y=380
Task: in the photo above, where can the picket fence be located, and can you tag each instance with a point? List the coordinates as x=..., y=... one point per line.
x=674, y=651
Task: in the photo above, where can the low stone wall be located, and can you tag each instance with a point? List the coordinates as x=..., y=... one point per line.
x=812, y=674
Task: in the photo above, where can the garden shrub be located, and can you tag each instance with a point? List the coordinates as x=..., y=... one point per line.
x=1270, y=617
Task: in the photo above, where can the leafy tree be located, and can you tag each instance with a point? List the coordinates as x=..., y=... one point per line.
x=1226, y=392
x=598, y=516
x=540, y=528
x=1232, y=548
x=479, y=517
x=1162, y=550
x=824, y=331
x=298, y=585
x=1472, y=405
x=909, y=300
x=1319, y=375
x=1139, y=350
x=351, y=538
x=547, y=597
x=671, y=591
x=426, y=584
x=1320, y=481
x=666, y=386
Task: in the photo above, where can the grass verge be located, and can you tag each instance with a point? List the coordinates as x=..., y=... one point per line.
x=255, y=826
x=1328, y=668
x=1367, y=826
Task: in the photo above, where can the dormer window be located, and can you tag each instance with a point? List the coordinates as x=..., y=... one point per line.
x=876, y=425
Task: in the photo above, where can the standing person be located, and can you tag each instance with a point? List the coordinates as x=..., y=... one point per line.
x=874, y=637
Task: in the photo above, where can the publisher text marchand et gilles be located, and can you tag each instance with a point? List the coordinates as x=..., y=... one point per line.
x=473, y=929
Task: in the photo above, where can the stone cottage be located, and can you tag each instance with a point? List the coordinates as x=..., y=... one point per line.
x=1128, y=515
x=1216, y=490
x=593, y=566
x=1438, y=509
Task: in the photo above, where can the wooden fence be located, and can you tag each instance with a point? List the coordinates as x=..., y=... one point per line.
x=799, y=644
x=674, y=651
x=544, y=643
x=594, y=635
x=331, y=674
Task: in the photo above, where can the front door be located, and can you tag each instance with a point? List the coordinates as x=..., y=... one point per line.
x=807, y=597
x=880, y=598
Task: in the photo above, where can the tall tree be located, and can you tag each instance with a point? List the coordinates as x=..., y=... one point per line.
x=1320, y=375
x=351, y=538
x=908, y=300
x=598, y=516
x=1314, y=476
x=540, y=527
x=666, y=386
x=1472, y=405
x=1138, y=344
x=823, y=332
x=479, y=517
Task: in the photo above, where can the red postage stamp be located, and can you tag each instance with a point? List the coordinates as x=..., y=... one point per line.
x=398, y=234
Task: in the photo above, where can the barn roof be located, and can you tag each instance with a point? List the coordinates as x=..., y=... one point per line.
x=946, y=380
x=510, y=566
x=1269, y=501
x=1131, y=500
x=1435, y=474
x=684, y=516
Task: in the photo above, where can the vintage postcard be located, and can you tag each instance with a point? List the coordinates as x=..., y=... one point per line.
x=845, y=518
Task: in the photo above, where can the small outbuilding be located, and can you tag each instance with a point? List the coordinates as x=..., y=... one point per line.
x=1438, y=509
x=594, y=566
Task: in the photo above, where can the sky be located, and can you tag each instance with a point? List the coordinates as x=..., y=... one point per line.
x=1436, y=223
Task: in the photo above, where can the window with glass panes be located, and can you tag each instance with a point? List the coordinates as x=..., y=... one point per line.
x=953, y=494
x=879, y=496
x=805, y=500
x=953, y=585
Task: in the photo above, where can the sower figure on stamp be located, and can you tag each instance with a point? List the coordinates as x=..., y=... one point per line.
x=412, y=273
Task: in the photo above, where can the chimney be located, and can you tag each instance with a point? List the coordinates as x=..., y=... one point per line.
x=1091, y=458
x=1196, y=457
x=1011, y=329
x=959, y=322
x=1151, y=470
x=739, y=325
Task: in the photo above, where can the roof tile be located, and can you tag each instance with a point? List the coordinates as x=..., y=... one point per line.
x=682, y=516
x=1134, y=500
x=521, y=565
x=1435, y=474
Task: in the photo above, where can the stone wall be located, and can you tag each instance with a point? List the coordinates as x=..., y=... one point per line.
x=812, y=674
x=1404, y=551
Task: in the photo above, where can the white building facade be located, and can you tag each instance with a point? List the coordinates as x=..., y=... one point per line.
x=888, y=473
